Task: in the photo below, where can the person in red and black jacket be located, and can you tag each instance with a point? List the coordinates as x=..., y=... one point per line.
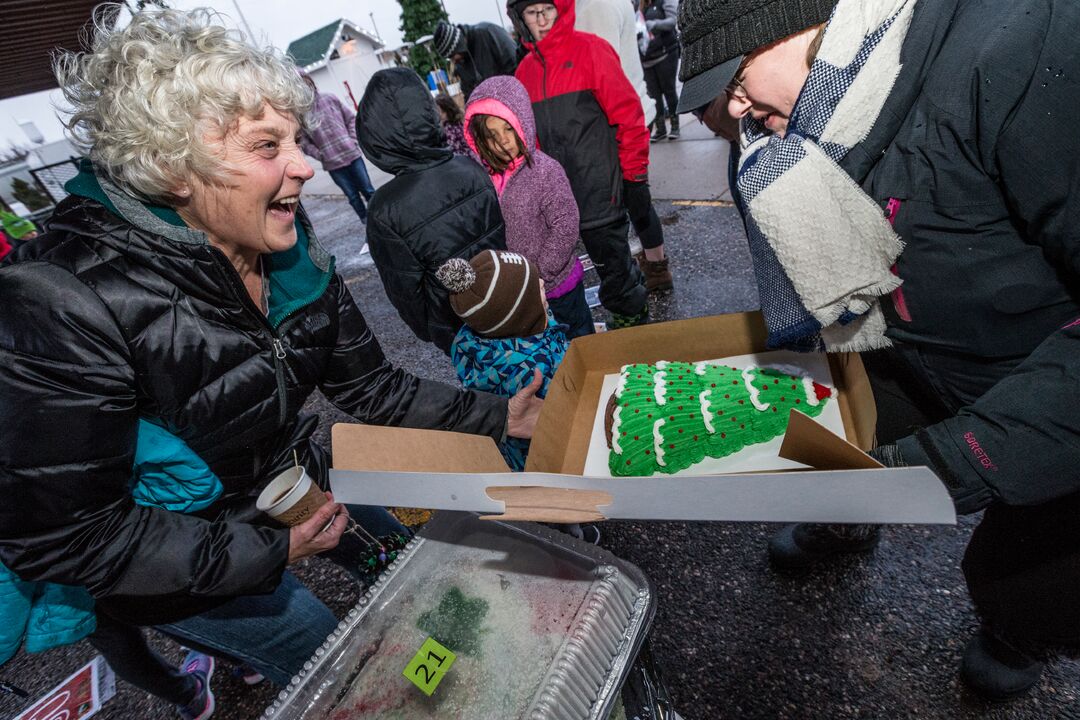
x=589, y=118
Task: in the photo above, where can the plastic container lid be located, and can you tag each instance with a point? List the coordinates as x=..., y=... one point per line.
x=542, y=625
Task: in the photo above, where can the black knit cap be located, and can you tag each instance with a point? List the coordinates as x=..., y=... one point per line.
x=448, y=39
x=716, y=33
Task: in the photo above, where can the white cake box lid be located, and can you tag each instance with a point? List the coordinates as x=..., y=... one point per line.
x=544, y=627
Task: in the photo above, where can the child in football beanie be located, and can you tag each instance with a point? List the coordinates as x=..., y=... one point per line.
x=508, y=331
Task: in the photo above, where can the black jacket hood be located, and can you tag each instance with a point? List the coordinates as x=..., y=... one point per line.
x=398, y=125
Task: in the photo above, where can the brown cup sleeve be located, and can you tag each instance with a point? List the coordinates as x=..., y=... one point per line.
x=305, y=507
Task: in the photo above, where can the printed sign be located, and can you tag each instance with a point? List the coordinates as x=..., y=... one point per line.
x=78, y=697
x=428, y=667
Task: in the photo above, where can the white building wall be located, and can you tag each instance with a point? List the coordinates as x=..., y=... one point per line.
x=350, y=72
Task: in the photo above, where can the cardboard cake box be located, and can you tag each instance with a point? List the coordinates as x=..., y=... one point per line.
x=444, y=470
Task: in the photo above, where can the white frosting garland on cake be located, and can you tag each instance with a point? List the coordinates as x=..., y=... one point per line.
x=811, y=395
x=658, y=443
x=707, y=416
x=660, y=386
x=616, y=421
x=748, y=378
x=699, y=368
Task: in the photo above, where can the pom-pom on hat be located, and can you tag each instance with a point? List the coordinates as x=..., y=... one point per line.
x=497, y=294
x=448, y=39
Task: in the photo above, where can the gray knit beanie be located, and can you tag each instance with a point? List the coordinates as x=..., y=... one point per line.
x=715, y=33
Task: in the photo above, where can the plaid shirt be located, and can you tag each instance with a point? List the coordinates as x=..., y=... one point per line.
x=333, y=142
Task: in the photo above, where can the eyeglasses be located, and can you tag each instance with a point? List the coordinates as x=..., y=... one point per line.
x=736, y=90
x=548, y=12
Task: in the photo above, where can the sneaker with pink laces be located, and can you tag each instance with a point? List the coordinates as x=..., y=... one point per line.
x=201, y=666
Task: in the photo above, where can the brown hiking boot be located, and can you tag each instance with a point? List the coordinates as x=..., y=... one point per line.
x=657, y=276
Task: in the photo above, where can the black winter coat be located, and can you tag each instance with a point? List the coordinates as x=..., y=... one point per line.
x=438, y=206
x=974, y=149
x=490, y=51
x=104, y=321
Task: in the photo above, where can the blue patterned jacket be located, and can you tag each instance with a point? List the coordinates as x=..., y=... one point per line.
x=503, y=366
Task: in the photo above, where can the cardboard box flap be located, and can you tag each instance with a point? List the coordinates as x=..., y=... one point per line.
x=374, y=448
x=812, y=444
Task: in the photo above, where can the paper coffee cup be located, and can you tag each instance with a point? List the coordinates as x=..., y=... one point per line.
x=291, y=497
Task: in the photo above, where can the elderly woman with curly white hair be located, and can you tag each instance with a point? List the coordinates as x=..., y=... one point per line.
x=182, y=287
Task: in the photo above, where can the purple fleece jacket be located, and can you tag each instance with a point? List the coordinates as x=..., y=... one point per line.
x=537, y=204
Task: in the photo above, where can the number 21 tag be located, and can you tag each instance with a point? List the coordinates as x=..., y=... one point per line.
x=428, y=667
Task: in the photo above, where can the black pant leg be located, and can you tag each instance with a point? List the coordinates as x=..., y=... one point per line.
x=667, y=71
x=572, y=310
x=134, y=661
x=1022, y=568
x=654, y=90
x=622, y=288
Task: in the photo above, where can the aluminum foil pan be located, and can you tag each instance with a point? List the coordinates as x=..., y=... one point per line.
x=544, y=627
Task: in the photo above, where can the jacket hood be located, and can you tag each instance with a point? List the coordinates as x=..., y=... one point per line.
x=559, y=33
x=504, y=97
x=398, y=125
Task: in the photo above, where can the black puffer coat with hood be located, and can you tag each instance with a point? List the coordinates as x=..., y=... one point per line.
x=121, y=312
x=438, y=206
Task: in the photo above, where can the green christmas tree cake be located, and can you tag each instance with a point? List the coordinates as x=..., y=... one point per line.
x=671, y=415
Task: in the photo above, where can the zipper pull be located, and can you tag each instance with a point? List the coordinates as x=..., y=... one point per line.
x=279, y=349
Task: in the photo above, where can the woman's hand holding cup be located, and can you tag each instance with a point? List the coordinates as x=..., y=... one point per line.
x=318, y=534
x=315, y=521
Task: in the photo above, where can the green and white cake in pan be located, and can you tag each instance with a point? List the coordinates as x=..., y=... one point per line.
x=666, y=417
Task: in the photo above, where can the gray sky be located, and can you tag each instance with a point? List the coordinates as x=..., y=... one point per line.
x=277, y=22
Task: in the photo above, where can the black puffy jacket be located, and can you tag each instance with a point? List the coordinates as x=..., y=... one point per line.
x=490, y=51
x=117, y=313
x=438, y=206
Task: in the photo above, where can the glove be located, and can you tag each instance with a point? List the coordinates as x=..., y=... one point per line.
x=969, y=502
x=637, y=199
x=888, y=455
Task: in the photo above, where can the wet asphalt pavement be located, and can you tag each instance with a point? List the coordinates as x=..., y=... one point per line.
x=878, y=637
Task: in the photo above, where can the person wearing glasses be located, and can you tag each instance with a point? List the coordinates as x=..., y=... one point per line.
x=589, y=118
x=907, y=195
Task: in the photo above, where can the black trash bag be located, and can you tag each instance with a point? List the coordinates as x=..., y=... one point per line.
x=644, y=694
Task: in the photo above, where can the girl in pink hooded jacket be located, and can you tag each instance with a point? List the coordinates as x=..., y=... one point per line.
x=537, y=204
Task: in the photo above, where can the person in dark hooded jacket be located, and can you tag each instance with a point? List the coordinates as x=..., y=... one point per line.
x=478, y=51
x=933, y=131
x=438, y=206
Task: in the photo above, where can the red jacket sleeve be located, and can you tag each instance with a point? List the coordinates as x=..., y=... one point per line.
x=621, y=104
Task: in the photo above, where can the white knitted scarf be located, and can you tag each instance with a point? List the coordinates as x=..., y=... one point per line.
x=822, y=248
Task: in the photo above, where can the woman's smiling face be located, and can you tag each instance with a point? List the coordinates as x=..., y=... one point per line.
x=770, y=80
x=252, y=208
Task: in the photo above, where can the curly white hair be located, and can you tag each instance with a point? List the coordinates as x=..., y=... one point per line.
x=144, y=97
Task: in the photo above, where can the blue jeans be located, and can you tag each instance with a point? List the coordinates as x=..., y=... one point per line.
x=354, y=182
x=278, y=632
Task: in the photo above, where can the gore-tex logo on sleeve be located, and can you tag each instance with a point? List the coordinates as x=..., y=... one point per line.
x=979, y=453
